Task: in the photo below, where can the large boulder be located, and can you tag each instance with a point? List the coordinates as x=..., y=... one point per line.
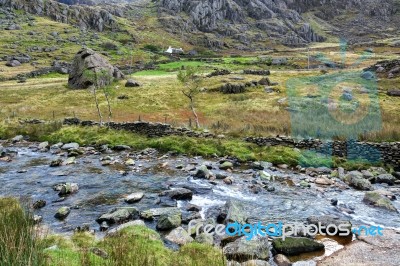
x=90, y=68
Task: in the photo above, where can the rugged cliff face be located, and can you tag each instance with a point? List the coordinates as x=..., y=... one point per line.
x=88, y=17
x=239, y=24
x=282, y=20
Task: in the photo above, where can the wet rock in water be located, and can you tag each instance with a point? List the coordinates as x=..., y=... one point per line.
x=104, y=226
x=39, y=204
x=169, y=221
x=62, y=213
x=193, y=208
x=121, y=148
x=130, y=162
x=43, y=146
x=282, y=260
x=385, y=178
x=228, y=180
x=189, y=216
x=166, y=202
x=82, y=228
x=304, y=184
x=243, y=249
x=179, y=236
x=37, y=219
x=56, y=146
x=70, y=146
x=150, y=214
x=367, y=175
x=356, y=180
x=220, y=176
x=114, y=231
x=341, y=173
x=18, y=138
x=334, y=202
x=377, y=171
x=203, y=173
x=118, y=215
x=130, y=83
x=296, y=245
x=324, y=181
x=270, y=188
x=69, y=161
x=255, y=189
x=235, y=212
x=204, y=238
x=264, y=175
x=226, y=165
x=326, y=220
x=376, y=199
x=67, y=189
x=396, y=175
x=134, y=197
x=178, y=194
x=261, y=165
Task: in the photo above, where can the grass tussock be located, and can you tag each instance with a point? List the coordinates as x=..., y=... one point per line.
x=19, y=243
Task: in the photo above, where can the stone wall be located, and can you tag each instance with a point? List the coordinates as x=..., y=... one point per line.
x=387, y=152
x=145, y=128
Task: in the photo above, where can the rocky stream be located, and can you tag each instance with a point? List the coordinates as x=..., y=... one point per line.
x=71, y=187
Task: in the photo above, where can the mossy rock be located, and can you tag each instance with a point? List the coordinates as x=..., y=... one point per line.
x=169, y=221
x=296, y=245
x=378, y=200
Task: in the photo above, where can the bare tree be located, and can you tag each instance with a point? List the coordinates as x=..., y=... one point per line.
x=190, y=79
x=107, y=92
x=97, y=79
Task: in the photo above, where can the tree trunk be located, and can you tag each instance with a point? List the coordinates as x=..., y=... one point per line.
x=97, y=106
x=109, y=106
x=194, y=113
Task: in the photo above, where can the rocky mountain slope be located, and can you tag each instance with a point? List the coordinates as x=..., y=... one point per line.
x=86, y=17
x=238, y=24
x=288, y=21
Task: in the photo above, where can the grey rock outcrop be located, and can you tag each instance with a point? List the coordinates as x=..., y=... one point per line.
x=89, y=68
x=86, y=17
x=281, y=20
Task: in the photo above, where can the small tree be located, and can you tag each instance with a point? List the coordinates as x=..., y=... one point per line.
x=191, y=81
x=97, y=79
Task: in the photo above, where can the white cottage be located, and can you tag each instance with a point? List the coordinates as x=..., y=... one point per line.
x=174, y=50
